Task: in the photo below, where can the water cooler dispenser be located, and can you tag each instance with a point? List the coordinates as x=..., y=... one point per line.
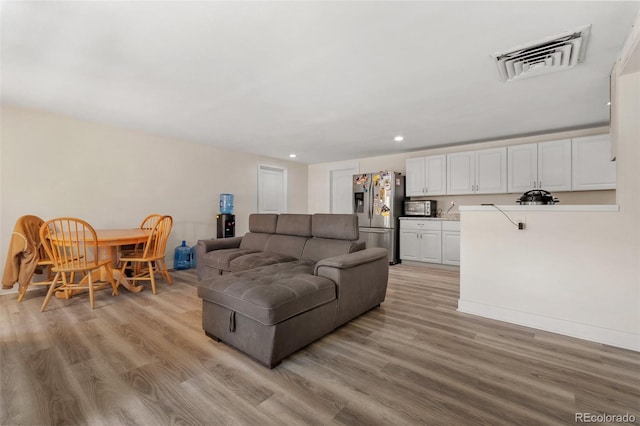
x=226, y=220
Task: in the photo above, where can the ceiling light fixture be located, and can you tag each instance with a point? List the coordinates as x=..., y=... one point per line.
x=398, y=138
x=292, y=156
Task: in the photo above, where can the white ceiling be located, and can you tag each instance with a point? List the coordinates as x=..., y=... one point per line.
x=325, y=80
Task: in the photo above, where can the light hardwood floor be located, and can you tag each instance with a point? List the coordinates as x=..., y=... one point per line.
x=140, y=359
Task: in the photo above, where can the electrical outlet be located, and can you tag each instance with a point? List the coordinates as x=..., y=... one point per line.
x=522, y=223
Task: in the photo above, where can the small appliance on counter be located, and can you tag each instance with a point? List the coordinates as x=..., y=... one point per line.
x=537, y=197
x=426, y=208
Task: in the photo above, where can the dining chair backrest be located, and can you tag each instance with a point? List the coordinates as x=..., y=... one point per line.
x=157, y=242
x=70, y=243
x=150, y=221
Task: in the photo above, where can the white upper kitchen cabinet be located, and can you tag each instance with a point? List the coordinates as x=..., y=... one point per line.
x=554, y=165
x=544, y=165
x=592, y=167
x=522, y=167
x=491, y=171
x=426, y=176
x=461, y=169
x=477, y=172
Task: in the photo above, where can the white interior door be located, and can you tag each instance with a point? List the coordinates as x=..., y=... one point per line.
x=272, y=189
x=342, y=190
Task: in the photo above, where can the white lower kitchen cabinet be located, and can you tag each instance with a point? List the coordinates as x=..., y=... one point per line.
x=451, y=243
x=430, y=241
x=421, y=240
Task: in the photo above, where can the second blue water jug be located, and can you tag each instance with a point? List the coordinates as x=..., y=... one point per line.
x=182, y=257
x=226, y=203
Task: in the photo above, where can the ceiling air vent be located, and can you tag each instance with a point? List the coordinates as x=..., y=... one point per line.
x=552, y=54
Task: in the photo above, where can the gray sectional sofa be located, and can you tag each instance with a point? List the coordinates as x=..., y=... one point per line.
x=290, y=280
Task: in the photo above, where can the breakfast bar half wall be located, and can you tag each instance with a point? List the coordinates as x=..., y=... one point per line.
x=572, y=270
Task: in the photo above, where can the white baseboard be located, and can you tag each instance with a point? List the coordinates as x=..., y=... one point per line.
x=606, y=336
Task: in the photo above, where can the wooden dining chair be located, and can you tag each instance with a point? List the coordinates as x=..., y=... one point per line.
x=26, y=256
x=44, y=265
x=72, y=245
x=151, y=259
x=147, y=223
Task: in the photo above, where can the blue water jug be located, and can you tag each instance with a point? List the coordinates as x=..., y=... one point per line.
x=182, y=257
x=226, y=203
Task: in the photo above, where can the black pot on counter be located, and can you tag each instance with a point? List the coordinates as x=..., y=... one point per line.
x=537, y=196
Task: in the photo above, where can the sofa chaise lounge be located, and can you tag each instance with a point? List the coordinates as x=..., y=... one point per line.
x=290, y=280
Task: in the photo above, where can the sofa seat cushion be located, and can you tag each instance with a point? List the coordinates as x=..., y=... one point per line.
x=270, y=294
x=256, y=260
x=221, y=259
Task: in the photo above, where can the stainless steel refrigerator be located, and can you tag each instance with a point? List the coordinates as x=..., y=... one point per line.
x=377, y=201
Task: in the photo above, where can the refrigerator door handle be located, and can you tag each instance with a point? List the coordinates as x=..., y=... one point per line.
x=370, y=201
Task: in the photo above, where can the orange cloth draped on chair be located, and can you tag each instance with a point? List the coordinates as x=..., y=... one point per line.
x=22, y=257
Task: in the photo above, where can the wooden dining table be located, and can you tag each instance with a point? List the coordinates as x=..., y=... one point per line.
x=109, y=243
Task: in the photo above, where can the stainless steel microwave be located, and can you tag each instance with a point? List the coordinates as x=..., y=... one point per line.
x=426, y=208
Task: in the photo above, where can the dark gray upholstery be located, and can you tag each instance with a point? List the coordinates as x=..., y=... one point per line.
x=294, y=224
x=223, y=258
x=263, y=223
x=286, y=244
x=255, y=260
x=321, y=248
x=336, y=226
x=271, y=294
x=293, y=286
x=256, y=241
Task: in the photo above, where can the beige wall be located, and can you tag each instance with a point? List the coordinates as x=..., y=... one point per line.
x=319, y=175
x=575, y=273
x=53, y=165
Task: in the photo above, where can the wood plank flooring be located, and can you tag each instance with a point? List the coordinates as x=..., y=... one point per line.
x=140, y=359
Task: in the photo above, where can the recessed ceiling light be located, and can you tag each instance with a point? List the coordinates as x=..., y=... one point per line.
x=292, y=156
x=398, y=138
x=609, y=103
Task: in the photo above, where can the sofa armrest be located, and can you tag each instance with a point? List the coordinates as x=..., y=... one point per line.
x=361, y=280
x=221, y=243
x=345, y=261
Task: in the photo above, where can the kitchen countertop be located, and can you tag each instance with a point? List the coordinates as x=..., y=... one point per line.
x=450, y=218
x=547, y=208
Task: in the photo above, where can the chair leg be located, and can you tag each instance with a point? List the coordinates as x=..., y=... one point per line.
x=91, y=295
x=23, y=291
x=52, y=288
x=114, y=285
x=152, y=277
x=165, y=271
x=123, y=268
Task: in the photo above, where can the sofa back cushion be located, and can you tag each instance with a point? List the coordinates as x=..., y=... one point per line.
x=317, y=249
x=335, y=226
x=263, y=223
x=289, y=245
x=255, y=241
x=294, y=224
